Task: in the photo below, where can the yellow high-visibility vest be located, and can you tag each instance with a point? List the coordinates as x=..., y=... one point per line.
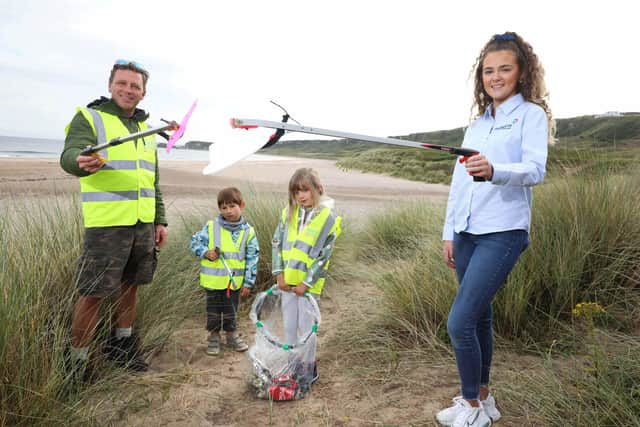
x=213, y=274
x=122, y=192
x=299, y=250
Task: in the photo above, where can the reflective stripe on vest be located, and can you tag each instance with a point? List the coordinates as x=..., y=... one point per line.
x=122, y=192
x=213, y=274
x=299, y=250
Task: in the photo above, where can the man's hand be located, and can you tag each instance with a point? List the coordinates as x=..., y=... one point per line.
x=90, y=163
x=447, y=253
x=161, y=235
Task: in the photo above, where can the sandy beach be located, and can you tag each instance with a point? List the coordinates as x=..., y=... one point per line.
x=184, y=185
x=208, y=391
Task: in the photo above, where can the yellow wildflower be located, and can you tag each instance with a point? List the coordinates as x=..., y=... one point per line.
x=588, y=309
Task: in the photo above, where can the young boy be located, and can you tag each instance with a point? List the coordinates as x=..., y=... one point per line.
x=228, y=249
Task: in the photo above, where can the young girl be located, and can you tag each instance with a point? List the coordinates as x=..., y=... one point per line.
x=487, y=223
x=302, y=244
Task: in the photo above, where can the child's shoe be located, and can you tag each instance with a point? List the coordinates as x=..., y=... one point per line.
x=236, y=343
x=213, y=345
x=315, y=373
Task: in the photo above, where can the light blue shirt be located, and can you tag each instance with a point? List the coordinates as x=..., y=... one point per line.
x=515, y=143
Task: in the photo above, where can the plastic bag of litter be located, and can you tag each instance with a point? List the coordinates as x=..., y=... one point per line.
x=283, y=357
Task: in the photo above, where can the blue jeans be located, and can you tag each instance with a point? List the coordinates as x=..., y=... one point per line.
x=483, y=262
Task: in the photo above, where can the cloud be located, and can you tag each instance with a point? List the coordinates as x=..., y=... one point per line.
x=373, y=67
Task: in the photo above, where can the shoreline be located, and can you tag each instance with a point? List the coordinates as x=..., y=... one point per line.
x=184, y=186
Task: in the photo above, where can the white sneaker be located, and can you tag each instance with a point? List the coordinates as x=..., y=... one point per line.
x=462, y=414
x=447, y=416
x=489, y=406
x=472, y=417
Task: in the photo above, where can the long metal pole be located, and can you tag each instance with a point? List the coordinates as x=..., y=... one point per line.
x=130, y=137
x=253, y=123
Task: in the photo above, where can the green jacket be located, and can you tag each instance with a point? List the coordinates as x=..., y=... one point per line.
x=80, y=135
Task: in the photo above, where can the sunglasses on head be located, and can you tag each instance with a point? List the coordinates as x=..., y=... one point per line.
x=133, y=64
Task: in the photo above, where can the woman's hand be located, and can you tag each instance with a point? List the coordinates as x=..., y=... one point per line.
x=447, y=253
x=479, y=165
x=245, y=292
x=211, y=255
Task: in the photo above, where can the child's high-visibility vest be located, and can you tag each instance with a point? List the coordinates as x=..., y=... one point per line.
x=299, y=250
x=213, y=274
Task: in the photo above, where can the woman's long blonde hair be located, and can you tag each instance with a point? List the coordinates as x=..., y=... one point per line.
x=303, y=179
x=531, y=83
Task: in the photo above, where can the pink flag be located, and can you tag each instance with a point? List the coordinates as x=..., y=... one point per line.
x=180, y=131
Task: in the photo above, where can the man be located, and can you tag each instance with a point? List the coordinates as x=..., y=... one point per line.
x=123, y=213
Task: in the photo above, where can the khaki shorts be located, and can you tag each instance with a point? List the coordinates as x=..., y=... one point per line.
x=113, y=256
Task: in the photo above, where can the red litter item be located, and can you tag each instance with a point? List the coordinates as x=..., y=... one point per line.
x=283, y=388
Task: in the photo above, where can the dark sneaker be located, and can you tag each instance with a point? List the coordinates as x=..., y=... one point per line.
x=213, y=345
x=77, y=370
x=236, y=343
x=126, y=353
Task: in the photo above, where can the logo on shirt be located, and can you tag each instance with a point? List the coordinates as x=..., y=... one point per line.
x=507, y=126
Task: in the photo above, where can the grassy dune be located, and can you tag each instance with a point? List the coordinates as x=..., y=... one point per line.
x=572, y=300
x=585, y=249
x=614, y=139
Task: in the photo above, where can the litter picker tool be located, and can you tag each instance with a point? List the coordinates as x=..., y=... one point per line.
x=232, y=281
x=282, y=127
x=178, y=131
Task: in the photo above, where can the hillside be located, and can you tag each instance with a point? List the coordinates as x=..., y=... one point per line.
x=575, y=137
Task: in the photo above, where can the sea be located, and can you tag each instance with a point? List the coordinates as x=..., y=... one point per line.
x=13, y=146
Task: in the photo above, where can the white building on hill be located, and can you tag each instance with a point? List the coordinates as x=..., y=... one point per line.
x=609, y=114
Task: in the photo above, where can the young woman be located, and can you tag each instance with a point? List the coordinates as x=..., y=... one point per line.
x=487, y=222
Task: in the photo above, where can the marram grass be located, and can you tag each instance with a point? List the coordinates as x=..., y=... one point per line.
x=40, y=242
x=585, y=245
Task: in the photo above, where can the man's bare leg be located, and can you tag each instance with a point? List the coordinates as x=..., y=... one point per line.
x=126, y=309
x=85, y=318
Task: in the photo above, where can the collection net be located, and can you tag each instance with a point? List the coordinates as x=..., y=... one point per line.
x=283, y=357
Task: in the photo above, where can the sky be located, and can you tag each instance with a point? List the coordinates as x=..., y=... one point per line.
x=371, y=67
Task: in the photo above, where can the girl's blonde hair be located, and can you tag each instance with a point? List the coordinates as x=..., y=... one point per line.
x=304, y=179
x=531, y=83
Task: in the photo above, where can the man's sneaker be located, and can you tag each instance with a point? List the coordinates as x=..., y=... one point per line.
x=236, y=343
x=213, y=345
x=462, y=414
x=489, y=406
x=126, y=353
x=77, y=371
